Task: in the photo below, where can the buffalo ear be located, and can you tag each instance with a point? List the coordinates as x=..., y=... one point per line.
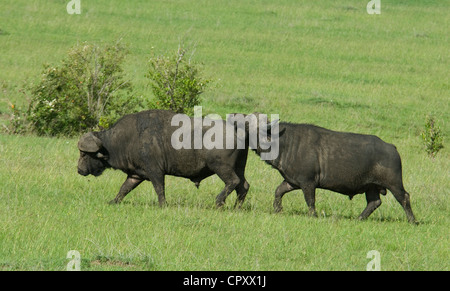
x=89, y=143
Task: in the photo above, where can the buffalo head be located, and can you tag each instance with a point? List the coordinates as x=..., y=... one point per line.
x=93, y=156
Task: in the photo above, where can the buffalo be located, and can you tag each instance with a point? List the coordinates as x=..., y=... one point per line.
x=141, y=145
x=312, y=157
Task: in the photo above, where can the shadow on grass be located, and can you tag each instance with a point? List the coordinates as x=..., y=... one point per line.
x=333, y=217
x=248, y=208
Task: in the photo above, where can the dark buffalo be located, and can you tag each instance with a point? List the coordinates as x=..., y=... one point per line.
x=312, y=157
x=140, y=145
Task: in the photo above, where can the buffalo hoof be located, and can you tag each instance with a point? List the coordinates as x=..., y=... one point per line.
x=277, y=206
x=278, y=209
x=312, y=213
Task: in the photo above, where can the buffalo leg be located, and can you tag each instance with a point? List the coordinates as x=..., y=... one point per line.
x=282, y=189
x=310, y=196
x=373, y=202
x=129, y=184
x=158, y=185
x=231, y=182
x=403, y=198
x=241, y=191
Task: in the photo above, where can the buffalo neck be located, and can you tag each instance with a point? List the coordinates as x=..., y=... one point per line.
x=115, y=146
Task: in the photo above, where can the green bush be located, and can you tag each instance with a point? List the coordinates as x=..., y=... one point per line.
x=175, y=82
x=18, y=122
x=85, y=91
x=432, y=137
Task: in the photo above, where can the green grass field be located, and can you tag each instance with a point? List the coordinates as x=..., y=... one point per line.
x=323, y=62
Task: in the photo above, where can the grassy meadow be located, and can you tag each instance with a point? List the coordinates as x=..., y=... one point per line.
x=323, y=62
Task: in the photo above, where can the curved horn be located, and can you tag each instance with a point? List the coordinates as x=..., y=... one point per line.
x=89, y=143
x=268, y=127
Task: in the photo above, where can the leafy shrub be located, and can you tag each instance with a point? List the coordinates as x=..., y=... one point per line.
x=175, y=82
x=432, y=137
x=18, y=123
x=85, y=91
